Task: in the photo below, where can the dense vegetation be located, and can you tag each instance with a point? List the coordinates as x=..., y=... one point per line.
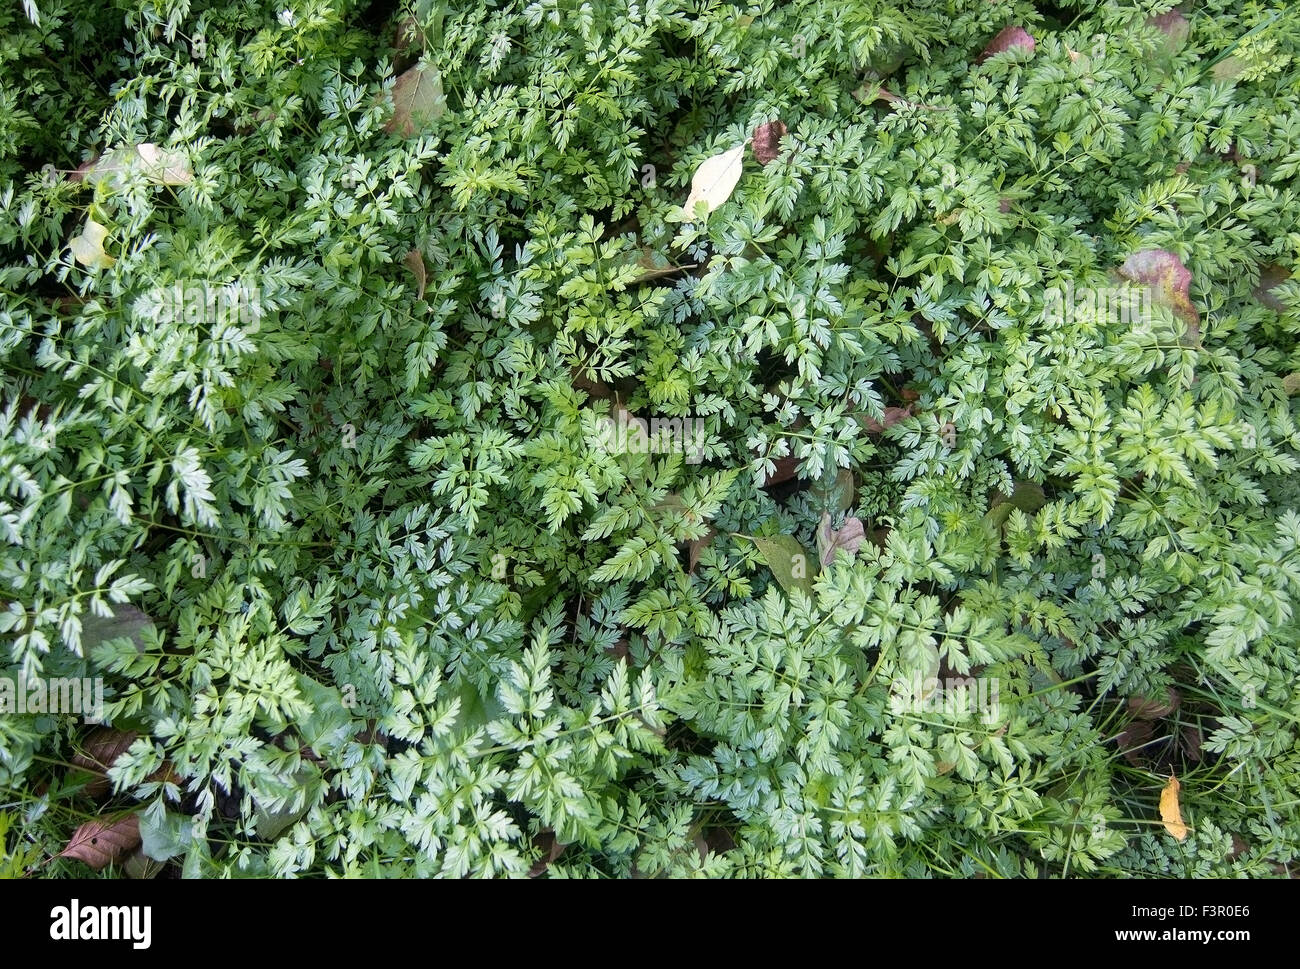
x=326, y=328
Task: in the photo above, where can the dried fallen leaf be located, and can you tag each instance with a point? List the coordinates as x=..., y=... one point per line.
x=414, y=261
x=100, y=842
x=103, y=746
x=551, y=848
x=1009, y=38
x=125, y=622
x=1132, y=741
x=417, y=100
x=891, y=416
x=1229, y=68
x=1145, y=708
x=786, y=468
x=1169, y=281
x=697, y=548
x=829, y=540
x=1291, y=383
x=161, y=166
x=1028, y=496
x=1170, y=812
x=767, y=141
x=655, y=265
x=713, y=182
x=88, y=248
x=790, y=564
x=1174, y=26
x=1270, y=277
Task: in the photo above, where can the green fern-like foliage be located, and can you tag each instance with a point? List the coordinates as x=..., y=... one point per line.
x=376, y=591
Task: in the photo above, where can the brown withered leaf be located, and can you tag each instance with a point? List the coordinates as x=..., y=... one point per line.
x=1271, y=276
x=830, y=540
x=767, y=141
x=655, y=265
x=1008, y=38
x=414, y=261
x=594, y=388
x=1147, y=708
x=103, y=746
x=875, y=92
x=551, y=849
x=1174, y=26
x=697, y=548
x=892, y=416
x=1132, y=741
x=786, y=468
x=417, y=100
x=100, y=842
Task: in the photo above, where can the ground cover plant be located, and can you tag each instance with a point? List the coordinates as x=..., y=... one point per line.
x=649, y=438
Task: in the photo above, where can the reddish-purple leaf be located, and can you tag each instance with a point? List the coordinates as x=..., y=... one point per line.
x=1169, y=281
x=1009, y=38
x=849, y=538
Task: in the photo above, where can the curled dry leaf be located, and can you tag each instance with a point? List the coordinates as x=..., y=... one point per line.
x=1028, y=496
x=655, y=265
x=1169, y=281
x=697, y=548
x=551, y=848
x=100, y=842
x=714, y=181
x=1170, y=812
x=88, y=248
x=767, y=141
x=1009, y=38
x=876, y=92
x=1229, y=68
x=830, y=540
x=414, y=261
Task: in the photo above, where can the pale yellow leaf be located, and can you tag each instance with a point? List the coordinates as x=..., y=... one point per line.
x=715, y=180
x=159, y=165
x=88, y=248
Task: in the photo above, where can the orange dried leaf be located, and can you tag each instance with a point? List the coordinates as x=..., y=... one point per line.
x=1170, y=812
